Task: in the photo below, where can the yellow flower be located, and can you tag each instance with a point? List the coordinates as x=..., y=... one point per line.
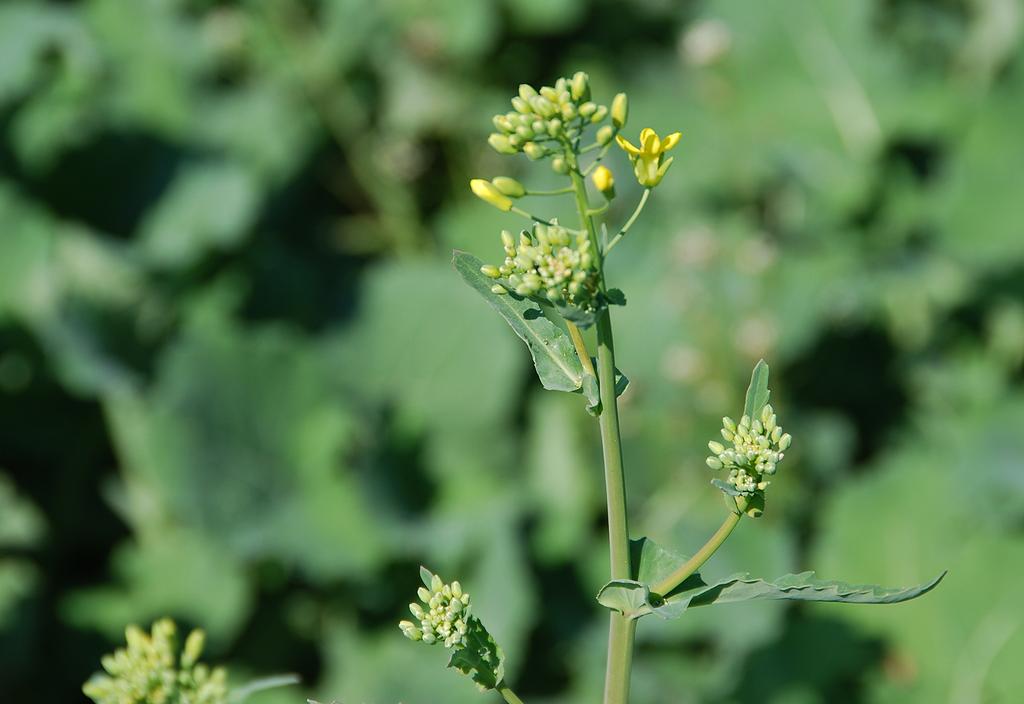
x=649, y=162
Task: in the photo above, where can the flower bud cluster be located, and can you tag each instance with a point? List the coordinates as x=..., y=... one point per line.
x=757, y=448
x=443, y=617
x=550, y=261
x=553, y=114
x=149, y=670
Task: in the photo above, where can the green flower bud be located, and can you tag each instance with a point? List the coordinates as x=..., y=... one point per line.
x=716, y=447
x=501, y=143
x=559, y=165
x=605, y=135
x=599, y=114
x=620, y=110
x=499, y=290
x=522, y=106
x=580, y=88
x=509, y=186
x=713, y=462
x=542, y=106
x=534, y=151
x=524, y=132
x=588, y=109
x=507, y=239
x=526, y=91
x=490, y=271
x=423, y=594
x=568, y=111
x=785, y=441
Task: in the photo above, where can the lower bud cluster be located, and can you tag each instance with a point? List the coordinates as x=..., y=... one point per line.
x=443, y=617
x=757, y=448
x=550, y=261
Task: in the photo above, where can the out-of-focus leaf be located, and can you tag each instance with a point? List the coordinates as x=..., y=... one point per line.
x=169, y=571
x=208, y=208
x=241, y=424
x=21, y=526
x=554, y=356
x=564, y=489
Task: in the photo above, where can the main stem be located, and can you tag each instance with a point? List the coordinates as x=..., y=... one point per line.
x=621, y=631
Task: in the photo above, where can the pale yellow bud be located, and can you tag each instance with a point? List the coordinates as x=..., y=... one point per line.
x=486, y=192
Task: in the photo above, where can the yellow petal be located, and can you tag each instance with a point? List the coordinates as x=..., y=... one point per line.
x=670, y=141
x=626, y=145
x=649, y=142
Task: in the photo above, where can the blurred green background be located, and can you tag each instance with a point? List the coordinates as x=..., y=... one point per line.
x=241, y=385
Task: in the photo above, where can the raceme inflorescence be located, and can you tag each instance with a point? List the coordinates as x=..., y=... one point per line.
x=150, y=670
x=551, y=288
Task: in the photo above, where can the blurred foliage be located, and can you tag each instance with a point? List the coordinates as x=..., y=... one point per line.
x=241, y=384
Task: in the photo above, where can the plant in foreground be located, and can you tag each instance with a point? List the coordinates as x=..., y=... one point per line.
x=549, y=287
x=150, y=670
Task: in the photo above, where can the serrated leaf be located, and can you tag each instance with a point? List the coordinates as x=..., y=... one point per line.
x=554, y=356
x=757, y=392
x=481, y=658
x=633, y=598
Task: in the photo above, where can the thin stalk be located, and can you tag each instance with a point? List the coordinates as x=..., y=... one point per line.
x=581, y=347
x=686, y=569
x=597, y=160
x=555, y=192
x=530, y=216
x=508, y=694
x=629, y=223
x=621, y=631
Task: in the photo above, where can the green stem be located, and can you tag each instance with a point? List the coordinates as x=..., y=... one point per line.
x=621, y=634
x=629, y=223
x=555, y=192
x=697, y=561
x=621, y=630
x=581, y=347
x=508, y=694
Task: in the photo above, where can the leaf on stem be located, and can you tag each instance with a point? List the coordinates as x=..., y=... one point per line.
x=554, y=356
x=757, y=392
x=633, y=598
x=481, y=658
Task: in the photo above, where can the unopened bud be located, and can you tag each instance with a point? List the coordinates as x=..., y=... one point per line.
x=620, y=110
x=486, y=192
x=605, y=135
x=501, y=144
x=599, y=114
x=580, y=88
x=604, y=181
x=785, y=441
x=490, y=271
x=534, y=151
x=559, y=165
x=509, y=186
x=716, y=447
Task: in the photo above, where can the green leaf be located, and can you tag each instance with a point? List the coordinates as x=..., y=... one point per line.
x=757, y=392
x=481, y=658
x=633, y=598
x=554, y=356
x=615, y=297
